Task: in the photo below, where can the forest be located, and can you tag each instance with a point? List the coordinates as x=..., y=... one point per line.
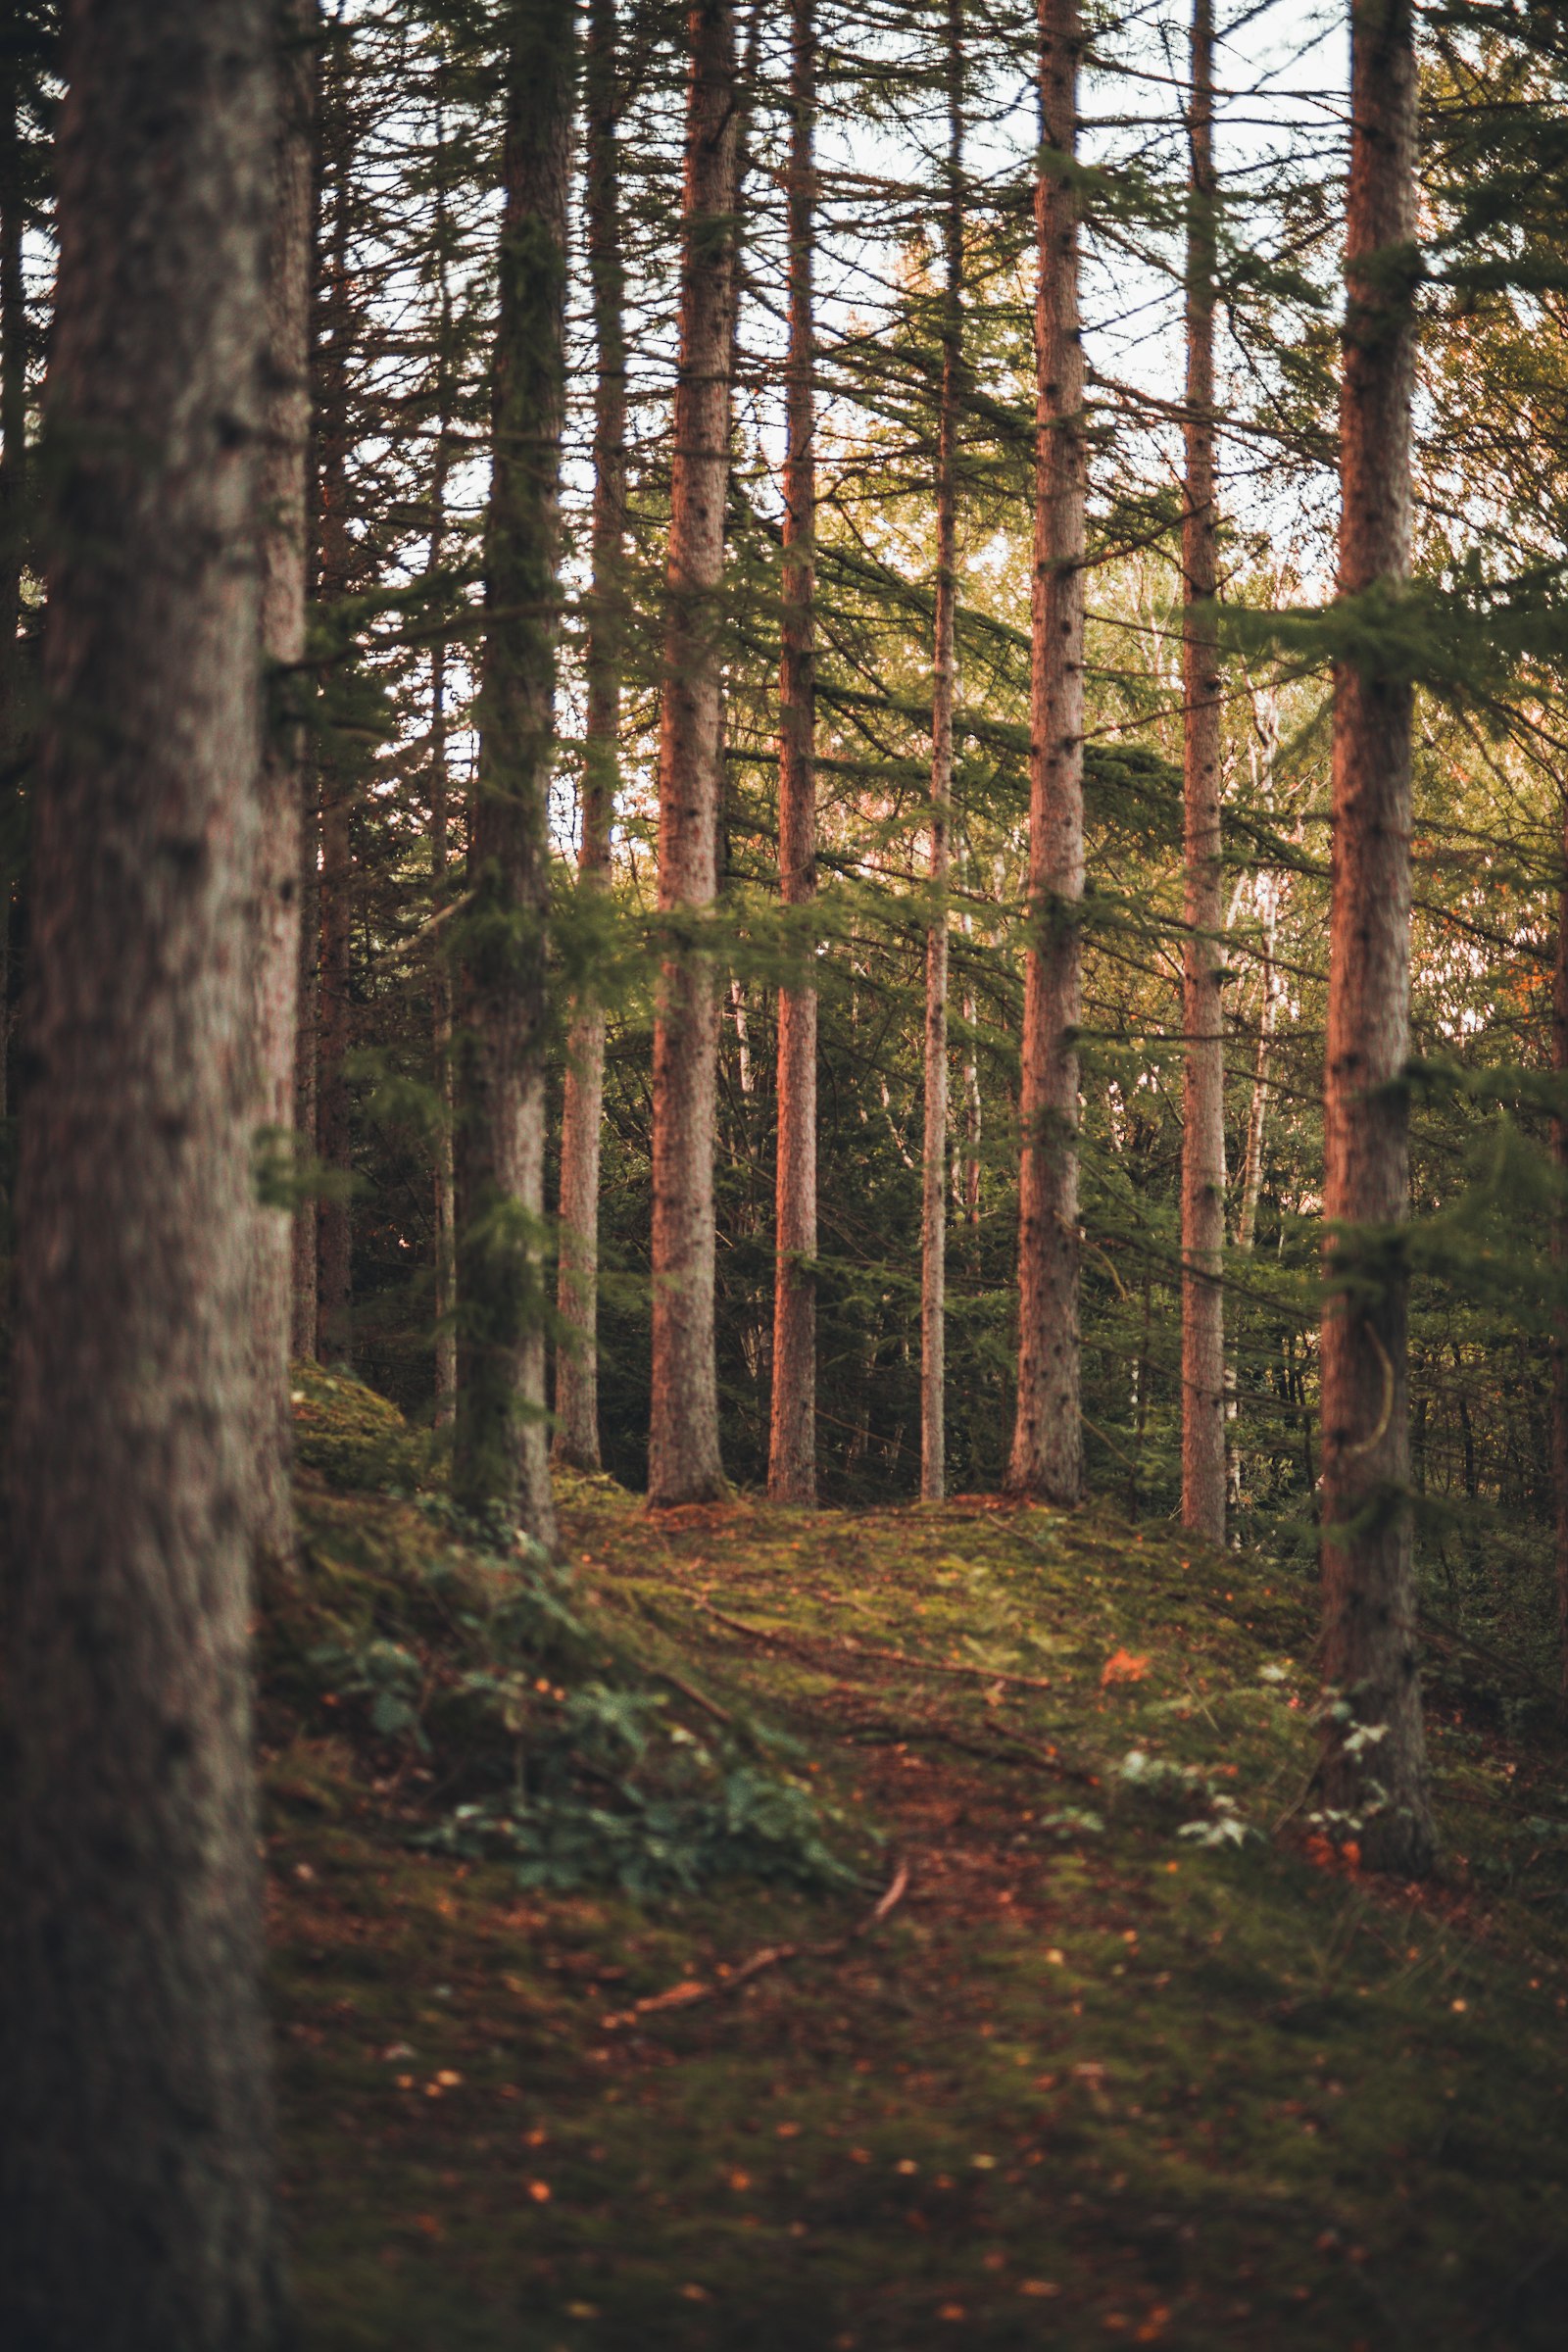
x=783, y=1175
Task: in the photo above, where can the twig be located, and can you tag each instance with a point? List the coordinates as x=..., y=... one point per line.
x=773, y=1955
x=866, y=1649
x=699, y=1698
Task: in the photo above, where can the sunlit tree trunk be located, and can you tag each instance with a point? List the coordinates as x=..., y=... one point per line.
x=1559, y=1244
x=1047, y=1457
x=792, y=1437
x=943, y=686
x=577, y=1438
x=1373, y=1766
x=683, y=1456
x=284, y=559
x=136, y=2129
x=1202, y=952
x=501, y=1455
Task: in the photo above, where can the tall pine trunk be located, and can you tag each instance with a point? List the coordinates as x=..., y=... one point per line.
x=335, y=785
x=1202, y=952
x=943, y=687
x=683, y=1455
x=135, y=2132
x=1559, y=1250
x=576, y=1439
x=1047, y=1457
x=501, y=1456
x=1369, y=1649
x=445, y=1186
x=283, y=566
x=12, y=488
x=792, y=1436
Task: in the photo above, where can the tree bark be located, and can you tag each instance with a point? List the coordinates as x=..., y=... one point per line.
x=12, y=492
x=792, y=1436
x=576, y=1439
x=445, y=1201
x=1202, y=953
x=943, y=684
x=1559, y=1250
x=135, y=2133
x=283, y=565
x=1047, y=1457
x=335, y=780
x=683, y=1455
x=1370, y=1656
x=501, y=1458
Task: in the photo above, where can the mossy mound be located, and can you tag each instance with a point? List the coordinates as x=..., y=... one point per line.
x=354, y=1437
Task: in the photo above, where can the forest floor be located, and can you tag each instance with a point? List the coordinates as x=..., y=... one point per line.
x=1088, y=2081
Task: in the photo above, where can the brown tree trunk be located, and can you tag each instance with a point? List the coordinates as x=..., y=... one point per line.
x=1203, y=954
x=683, y=1455
x=502, y=1455
x=135, y=2132
x=792, y=1435
x=576, y=1439
x=283, y=563
x=13, y=497
x=1048, y=1437
x=334, y=781
x=441, y=991
x=1559, y=1248
x=1369, y=1651
x=943, y=684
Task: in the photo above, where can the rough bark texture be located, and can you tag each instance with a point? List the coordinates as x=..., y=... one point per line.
x=1202, y=952
x=577, y=1438
x=13, y=489
x=334, y=779
x=283, y=559
x=1369, y=1651
x=1048, y=1438
x=683, y=1456
x=135, y=2189
x=445, y=1184
x=792, y=1434
x=943, y=684
x=502, y=1457
x=1559, y=1250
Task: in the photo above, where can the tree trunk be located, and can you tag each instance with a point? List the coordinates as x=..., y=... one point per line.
x=335, y=780
x=502, y=1457
x=1203, y=954
x=792, y=1436
x=1559, y=1248
x=135, y=2133
x=683, y=1456
x=13, y=497
x=283, y=562
x=1370, y=1657
x=1048, y=1437
x=441, y=992
x=576, y=1439
x=944, y=682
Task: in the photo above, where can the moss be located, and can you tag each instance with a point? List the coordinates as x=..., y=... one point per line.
x=354, y=1437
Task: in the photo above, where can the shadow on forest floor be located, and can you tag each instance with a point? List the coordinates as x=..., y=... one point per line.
x=1111, y=2071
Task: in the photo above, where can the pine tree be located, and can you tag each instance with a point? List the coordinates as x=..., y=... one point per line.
x=135, y=2167
x=1047, y=1439
x=1373, y=1767
x=792, y=1441
x=684, y=1463
x=500, y=1452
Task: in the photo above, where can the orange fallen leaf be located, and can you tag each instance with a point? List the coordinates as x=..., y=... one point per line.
x=1122, y=1667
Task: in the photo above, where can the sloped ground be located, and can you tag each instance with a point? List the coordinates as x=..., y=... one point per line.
x=1110, y=2069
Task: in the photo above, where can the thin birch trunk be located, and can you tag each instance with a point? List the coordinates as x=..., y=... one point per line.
x=284, y=558
x=683, y=1459
x=944, y=685
x=1202, y=951
x=792, y=1432
x=501, y=1458
x=576, y=1439
x=1370, y=1658
x=136, y=2200
x=1047, y=1457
